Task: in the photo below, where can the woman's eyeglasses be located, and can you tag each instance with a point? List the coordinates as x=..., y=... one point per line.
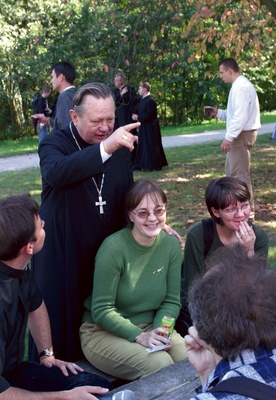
x=158, y=212
x=235, y=210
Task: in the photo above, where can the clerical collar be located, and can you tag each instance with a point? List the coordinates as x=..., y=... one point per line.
x=11, y=272
x=146, y=95
x=101, y=202
x=75, y=133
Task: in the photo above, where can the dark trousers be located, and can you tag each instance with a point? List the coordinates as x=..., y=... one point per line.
x=37, y=378
x=183, y=321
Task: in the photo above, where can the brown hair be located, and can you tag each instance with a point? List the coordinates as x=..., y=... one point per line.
x=17, y=224
x=232, y=304
x=139, y=190
x=230, y=63
x=146, y=85
x=222, y=192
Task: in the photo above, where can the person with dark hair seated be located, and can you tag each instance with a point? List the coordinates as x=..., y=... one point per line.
x=232, y=343
x=228, y=202
x=22, y=235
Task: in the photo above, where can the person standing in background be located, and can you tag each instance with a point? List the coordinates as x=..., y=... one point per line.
x=150, y=153
x=242, y=118
x=42, y=105
x=62, y=79
x=126, y=102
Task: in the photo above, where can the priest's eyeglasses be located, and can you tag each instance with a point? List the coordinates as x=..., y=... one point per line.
x=158, y=212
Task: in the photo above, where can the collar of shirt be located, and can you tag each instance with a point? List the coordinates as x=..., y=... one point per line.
x=69, y=87
x=11, y=272
x=247, y=357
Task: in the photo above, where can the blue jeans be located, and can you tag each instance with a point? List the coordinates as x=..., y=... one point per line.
x=42, y=133
x=274, y=133
x=37, y=378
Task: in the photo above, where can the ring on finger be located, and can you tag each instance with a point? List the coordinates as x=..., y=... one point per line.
x=154, y=342
x=125, y=137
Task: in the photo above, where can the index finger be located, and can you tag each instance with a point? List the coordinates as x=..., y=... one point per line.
x=129, y=127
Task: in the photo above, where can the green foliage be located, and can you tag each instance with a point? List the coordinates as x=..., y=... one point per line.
x=147, y=40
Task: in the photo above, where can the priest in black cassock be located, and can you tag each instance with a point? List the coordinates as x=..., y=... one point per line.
x=150, y=154
x=126, y=102
x=85, y=176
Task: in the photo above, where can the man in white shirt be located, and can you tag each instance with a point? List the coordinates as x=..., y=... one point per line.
x=242, y=118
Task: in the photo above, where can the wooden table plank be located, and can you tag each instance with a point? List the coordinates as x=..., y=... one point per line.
x=178, y=381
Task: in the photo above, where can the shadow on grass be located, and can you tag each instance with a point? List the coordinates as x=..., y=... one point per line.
x=184, y=181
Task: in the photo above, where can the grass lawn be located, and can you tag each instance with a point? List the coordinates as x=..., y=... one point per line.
x=184, y=181
x=27, y=145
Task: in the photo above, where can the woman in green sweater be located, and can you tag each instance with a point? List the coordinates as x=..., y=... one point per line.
x=136, y=284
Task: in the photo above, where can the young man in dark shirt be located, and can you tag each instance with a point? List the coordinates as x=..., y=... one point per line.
x=22, y=235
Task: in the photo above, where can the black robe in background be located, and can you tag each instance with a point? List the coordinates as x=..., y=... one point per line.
x=126, y=105
x=149, y=153
x=75, y=229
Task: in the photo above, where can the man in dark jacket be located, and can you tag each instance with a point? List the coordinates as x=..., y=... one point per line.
x=21, y=236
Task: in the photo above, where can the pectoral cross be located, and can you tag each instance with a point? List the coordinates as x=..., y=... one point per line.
x=100, y=203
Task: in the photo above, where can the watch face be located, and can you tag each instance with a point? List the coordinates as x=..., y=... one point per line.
x=47, y=353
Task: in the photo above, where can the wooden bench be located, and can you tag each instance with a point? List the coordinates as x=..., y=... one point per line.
x=176, y=382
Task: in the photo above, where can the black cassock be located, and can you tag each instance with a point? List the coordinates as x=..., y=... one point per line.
x=75, y=228
x=126, y=105
x=150, y=153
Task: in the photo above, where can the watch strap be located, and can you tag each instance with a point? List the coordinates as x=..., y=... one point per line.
x=47, y=353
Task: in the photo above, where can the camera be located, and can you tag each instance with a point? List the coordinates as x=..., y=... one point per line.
x=207, y=111
x=48, y=112
x=34, y=121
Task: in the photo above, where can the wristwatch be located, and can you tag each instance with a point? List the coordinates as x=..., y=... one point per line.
x=47, y=353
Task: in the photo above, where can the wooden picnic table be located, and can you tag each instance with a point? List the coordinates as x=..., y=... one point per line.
x=176, y=382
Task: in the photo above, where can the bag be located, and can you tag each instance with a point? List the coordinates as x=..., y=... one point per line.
x=246, y=387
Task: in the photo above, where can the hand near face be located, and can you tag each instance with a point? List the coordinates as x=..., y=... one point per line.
x=246, y=237
x=121, y=137
x=199, y=354
x=124, y=90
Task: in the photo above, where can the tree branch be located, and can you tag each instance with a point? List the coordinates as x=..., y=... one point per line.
x=271, y=7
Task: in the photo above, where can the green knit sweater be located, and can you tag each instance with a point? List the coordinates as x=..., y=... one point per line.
x=134, y=284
